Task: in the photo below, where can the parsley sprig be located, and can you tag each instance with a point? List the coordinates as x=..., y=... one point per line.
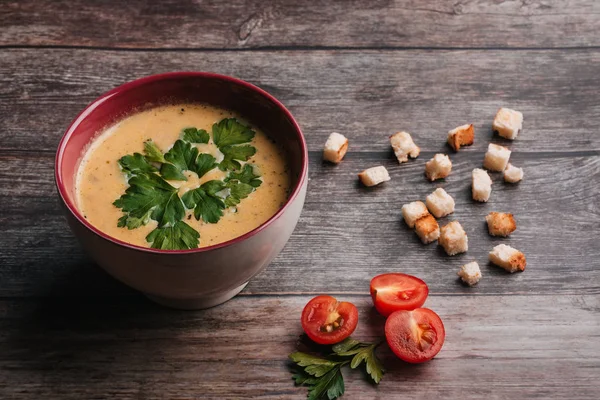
x=228, y=136
x=323, y=375
x=151, y=197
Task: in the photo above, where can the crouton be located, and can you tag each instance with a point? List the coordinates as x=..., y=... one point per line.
x=500, y=224
x=413, y=211
x=335, y=148
x=508, y=258
x=440, y=203
x=404, y=146
x=496, y=157
x=481, y=185
x=438, y=167
x=470, y=273
x=508, y=123
x=512, y=174
x=374, y=176
x=464, y=135
x=427, y=228
x=453, y=238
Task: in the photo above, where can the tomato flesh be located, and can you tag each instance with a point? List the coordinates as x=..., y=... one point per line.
x=395, y=291
x=415, y=336
x=327, y=321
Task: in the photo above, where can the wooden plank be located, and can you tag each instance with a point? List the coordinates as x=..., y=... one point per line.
x=249, y=23
x=366, y=95
x=346, y=227
x=496, y=347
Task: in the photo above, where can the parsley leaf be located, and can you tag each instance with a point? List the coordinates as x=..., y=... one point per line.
x=361, y=352
x=241, y=184
x=148, y=195
x=237, y=192
x=323, y=377
x=134, y=164
x=204, y=163
x=171, y=172
x=133, y=222
x=175, y=237
x=230, y=131
x=213, y=187
x=315, y=366
x=233, y=154
x=182, y=156
x=246, y=175
x=205, y=202
x=332, y=385
x=152, y=152
x=194, y=135
x=302, y=378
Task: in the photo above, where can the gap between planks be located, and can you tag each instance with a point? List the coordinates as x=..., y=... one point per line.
x=291, y=48
x=45, y=153
x=364, y=294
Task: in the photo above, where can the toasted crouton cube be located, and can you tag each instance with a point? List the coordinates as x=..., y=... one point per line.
x=508, y=123
x=500, y=224
x=453, y=238
x=335, y=148
x=508, y=258
x=374, y=176
x=438, y=167
x=496, y=157
x=464, y=135
x=427, y=228
x=481, y=185
x=512, y=174
x=470, y=273
x=404, y=146
x=440, y=203
x=413, y=211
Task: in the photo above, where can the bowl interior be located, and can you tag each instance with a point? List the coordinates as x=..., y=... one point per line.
x=255, y=105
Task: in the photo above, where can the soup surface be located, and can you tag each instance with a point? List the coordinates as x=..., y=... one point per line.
x=101, y=180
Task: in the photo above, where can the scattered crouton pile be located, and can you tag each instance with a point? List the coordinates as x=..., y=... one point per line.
x=422, y=216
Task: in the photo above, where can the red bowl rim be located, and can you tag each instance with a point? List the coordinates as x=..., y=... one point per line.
x=174, y=75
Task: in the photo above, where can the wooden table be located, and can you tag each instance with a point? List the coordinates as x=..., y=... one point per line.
x=366, y=69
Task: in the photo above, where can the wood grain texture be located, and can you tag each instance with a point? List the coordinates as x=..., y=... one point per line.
x=253, y=23
x=346, y=227
x=365, y=69
x=366, y=95
x=124, y=349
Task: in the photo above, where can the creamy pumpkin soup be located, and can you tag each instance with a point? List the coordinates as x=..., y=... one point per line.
x=181, y=176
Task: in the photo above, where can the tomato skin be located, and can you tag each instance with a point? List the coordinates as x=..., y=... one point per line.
x=415, y=336
x=322, y=311
x=388, y=290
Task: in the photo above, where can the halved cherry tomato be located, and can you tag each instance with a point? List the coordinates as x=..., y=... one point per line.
x=393, y=292
x=327, y=321
x=415, y=336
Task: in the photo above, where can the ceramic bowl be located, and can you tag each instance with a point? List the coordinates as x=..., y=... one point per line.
x=197, y=278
